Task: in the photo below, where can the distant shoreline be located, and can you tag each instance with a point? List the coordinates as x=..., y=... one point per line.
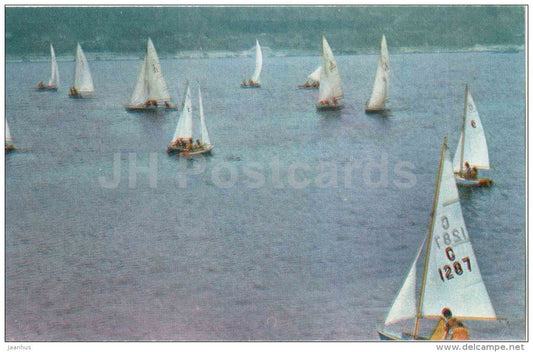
x=192, y=54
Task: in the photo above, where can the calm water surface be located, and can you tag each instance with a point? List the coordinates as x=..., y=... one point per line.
x=300, y=226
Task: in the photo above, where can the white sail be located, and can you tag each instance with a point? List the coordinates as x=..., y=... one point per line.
x=315, y=75
x=204, y=136
x=150, y=84
x=380, y=91
x=330, y=80
x=472, y=141
x=258, y=62
x=54, y=75
x=83, y=81
x=404, y=306
x=8, y=133
x=453, y=277
x=184, y=127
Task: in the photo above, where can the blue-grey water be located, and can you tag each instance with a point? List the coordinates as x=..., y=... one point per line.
x=300, y=226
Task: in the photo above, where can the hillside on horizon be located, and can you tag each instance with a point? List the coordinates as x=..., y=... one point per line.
x=350, y=29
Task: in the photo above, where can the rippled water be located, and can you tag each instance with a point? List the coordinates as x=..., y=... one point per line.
x=300, y=226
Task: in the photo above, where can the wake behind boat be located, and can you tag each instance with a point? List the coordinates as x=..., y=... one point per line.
x=150, y=93
x=83, y=82
x=451, y=277
x=182, y=141
x=254, y=81
x=380, y=91
x=53, y=83
x=330, y=90
x=472, y=152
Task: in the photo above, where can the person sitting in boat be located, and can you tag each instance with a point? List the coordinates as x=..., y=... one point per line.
x=449, y=328
x=167, y=104
x=455, y=330
x=40, y=85
x=473, y=173
x=73, y=91
x=199, y=144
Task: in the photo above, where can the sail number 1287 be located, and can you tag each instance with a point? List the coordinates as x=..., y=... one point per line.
x=448, y=271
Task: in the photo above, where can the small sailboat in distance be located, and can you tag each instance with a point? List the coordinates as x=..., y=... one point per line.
x=83, y=82
x=330, y=90
x=9, y=140
x=182, y=140
x=451, y=275
x=380, y=91
x=254, y=81
x=151, y=92
x=472, y=152
x=53, y=83
x=315, y=80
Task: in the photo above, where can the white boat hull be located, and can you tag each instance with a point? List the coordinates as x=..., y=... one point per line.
x=478, y=182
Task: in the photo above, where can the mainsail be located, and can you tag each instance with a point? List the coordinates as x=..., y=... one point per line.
x=258, y=62
x=380, y=91
x=8, y=133
x=184, y=127
x=83, y=81
x=472, y=147
x=54, y=75
x=150, y=81
x=330, y=80
x=204, y=133
x=453, y=277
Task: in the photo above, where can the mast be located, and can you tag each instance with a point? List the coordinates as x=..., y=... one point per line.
x=435, y=200
x=463, y=130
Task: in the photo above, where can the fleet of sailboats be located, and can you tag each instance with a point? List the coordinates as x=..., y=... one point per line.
x=183, y=142
x=254, y=82
x=380, y=91
x=53, y=83
x=151, y=92
x=472, y=152
x=83, y=81
x=451, y=275
x=330, y=90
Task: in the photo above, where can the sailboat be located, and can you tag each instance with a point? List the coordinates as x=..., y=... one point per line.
x=330, y=90
x=254, y=81
x=379, y=96
x=53, y=83
x=182, y=140
x=472, y=152
x=8, y=143
x=451, y=277
x=83, y=82
x=315, y=79
x=150, y=93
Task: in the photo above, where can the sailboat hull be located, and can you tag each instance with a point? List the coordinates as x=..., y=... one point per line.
x=380, y=111
x=181, y=151
x=257, y=85
x=81, y=95
x=384, y=336
x=46, y=88
x=479, y=182
x=326, y=107
x=150, y=108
